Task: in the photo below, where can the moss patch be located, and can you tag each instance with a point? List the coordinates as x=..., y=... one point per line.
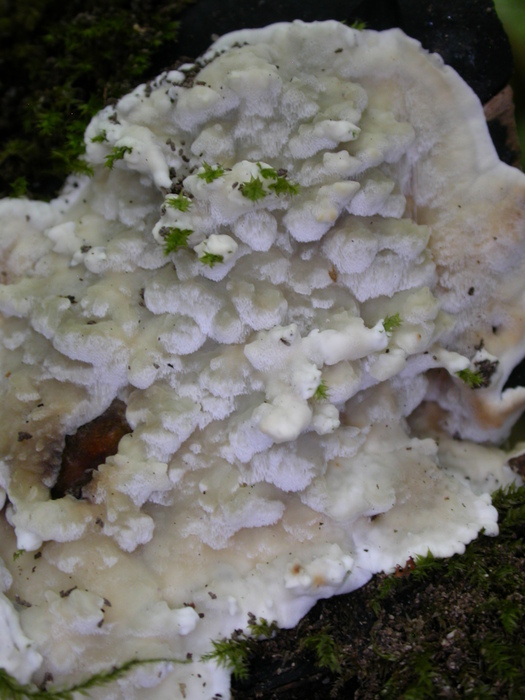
x=60, y=64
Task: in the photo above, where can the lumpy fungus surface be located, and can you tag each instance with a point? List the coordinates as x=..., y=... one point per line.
x=294, y=286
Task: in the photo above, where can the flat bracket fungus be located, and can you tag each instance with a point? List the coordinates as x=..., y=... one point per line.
x=300, y=271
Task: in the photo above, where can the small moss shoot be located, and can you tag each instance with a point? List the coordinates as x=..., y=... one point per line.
x=211, y=172
x=253, y=190
x=211, y=259
x=392, y=322
x=321, y=393
x=176, y=238
x=117, y=153
x=19, y=187
x=473, y=379
x=101, y=137
x=283, y=187
x=11, y=689
x=267, y=173
x=358, y=24
x=235, y=653
x=261, y=628
x=326, y=650
x=179, y=202
x=231, y=654
x=18, y=554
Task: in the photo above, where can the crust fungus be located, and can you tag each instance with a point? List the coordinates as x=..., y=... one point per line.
x=302, y=274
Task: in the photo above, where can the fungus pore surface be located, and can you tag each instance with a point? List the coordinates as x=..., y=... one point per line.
x=298, y=273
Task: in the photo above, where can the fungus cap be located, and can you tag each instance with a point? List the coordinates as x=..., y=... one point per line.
x=296, y=269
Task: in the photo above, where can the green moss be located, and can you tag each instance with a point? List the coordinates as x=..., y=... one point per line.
x=211, y=172
x=100, y=137
x=179, y=202
x=253, y=190
x=211, y=259
x=358, y=24
x=282, y=186
x=61, y=64
x=267, y=173
x=234, y=653
x=321, y=393
x=117, y=153
x=176, y=238
x=392, y=322
x=10, y=689
x=327, y=651
x=471, y=378
x=18, y=187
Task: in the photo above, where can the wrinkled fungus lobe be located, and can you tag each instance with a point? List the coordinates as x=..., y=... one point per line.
x=297, y=278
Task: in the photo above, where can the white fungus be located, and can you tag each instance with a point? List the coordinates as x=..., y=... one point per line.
x=291, y=275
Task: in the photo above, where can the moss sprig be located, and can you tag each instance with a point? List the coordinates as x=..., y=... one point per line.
x=179, y=202
x=211, y=172
x=267, y=173
x=282, y=186
x=176, y=238
x=472, y=378
x=327, y=652
x=253, y=190
x=101, y=137
x=392, y=322
x=11, y=689
x=321, y=393
x=18, y=187
x=235, y=653
x=211, y=259
x=117, y=153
